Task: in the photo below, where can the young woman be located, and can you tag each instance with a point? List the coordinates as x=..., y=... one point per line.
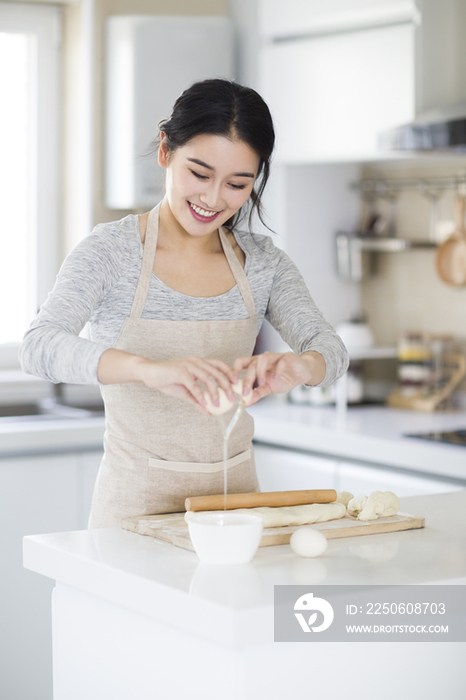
x=175, y=299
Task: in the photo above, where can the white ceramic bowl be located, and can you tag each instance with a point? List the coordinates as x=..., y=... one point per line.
x=224, y=537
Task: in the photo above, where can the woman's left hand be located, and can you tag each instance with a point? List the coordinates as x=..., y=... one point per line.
x=279, y=372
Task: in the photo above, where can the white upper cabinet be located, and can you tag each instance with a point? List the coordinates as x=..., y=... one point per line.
x=337, y=73
x=329, y=101
x=298, y=17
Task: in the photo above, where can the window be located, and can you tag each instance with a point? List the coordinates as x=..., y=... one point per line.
x=29, y=165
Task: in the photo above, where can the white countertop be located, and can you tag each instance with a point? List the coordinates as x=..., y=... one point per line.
x=368, y=433
x=373, y=434
x=51, y=435
x=233, y=605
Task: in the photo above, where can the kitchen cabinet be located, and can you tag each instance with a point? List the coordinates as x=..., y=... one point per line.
x=311, y=17
x=337, y=74
x=286, y=470
x=41, y=494
x=328, y=101
x=363, y=478
x=281, y=469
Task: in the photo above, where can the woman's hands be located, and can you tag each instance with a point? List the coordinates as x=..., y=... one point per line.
x=273, y=373
x=279, y=372
x=174, y=377
x=180, y=378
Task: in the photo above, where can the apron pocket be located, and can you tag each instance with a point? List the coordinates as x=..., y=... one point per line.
x=200, y=467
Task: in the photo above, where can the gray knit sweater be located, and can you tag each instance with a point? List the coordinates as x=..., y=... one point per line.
x=97, y=282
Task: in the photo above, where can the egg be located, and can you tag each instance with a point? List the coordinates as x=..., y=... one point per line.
x=224, y=401
x=307, y=542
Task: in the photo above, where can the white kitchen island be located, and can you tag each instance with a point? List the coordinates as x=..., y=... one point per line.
x=135, y=618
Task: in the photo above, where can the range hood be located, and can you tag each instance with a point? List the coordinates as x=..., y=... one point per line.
x=439, y=129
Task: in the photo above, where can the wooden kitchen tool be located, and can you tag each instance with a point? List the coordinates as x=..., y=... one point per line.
x=430, y=398
x=172, y=528
x=451, y=254
x=255, y=500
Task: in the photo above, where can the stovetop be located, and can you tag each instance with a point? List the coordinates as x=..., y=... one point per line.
x=453, y=437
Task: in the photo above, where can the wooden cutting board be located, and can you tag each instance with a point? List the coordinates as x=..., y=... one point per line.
x=173, y=528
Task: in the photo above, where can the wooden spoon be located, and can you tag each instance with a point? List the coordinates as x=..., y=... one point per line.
x=451, y=254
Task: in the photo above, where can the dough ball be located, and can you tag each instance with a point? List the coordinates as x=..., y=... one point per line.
x=225, y=403
x=307, y=542
x=344, y=497
x=238, y=389
x=356, y=505
x=380, y=504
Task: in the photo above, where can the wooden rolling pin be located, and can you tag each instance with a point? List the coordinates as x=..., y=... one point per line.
x=255, y=500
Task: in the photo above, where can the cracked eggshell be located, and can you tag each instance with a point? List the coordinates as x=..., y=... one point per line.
x=307, y=542
x=225, y=403
x=238, y=389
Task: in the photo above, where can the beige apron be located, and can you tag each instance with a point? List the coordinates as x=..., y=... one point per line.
x=160, y=449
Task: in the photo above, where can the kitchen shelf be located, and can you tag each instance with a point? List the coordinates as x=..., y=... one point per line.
x=375, y=353
x=382, y=187
x=354, y=253
x=388, y=244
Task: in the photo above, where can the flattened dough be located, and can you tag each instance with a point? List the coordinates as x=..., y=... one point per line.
x=292, y=515
x=379, y=504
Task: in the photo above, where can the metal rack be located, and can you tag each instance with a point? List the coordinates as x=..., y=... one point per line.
x=351, y=246
x=426, y=186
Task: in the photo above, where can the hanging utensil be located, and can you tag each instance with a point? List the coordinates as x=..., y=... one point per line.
x=451, y=254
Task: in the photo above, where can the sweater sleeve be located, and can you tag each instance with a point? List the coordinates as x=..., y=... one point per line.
x=293, y=313
x=51, y=348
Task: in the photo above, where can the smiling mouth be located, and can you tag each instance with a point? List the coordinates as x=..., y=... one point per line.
x=202, y=214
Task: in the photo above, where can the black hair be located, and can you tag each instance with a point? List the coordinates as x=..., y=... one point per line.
x=225, y=108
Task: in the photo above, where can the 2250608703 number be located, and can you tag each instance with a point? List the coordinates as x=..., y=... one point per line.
x=405, y=609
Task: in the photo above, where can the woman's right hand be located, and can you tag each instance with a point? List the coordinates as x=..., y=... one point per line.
x=178, y=378
x=181, y=378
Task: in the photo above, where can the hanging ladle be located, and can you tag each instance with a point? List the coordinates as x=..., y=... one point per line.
x=451, y=254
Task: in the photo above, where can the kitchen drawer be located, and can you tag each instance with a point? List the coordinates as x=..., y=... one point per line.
x=285, y=470
x=362, y=478
x=280, y=469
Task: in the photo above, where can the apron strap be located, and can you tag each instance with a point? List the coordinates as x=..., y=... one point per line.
x=150, y=246
x=238, y=273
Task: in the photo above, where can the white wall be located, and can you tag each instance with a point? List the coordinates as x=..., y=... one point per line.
x=319, y=203
x=245, y=17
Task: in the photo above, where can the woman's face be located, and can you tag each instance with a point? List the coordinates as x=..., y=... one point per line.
x=208, y=180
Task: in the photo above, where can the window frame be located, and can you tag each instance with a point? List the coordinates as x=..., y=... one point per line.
x=44, y=22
